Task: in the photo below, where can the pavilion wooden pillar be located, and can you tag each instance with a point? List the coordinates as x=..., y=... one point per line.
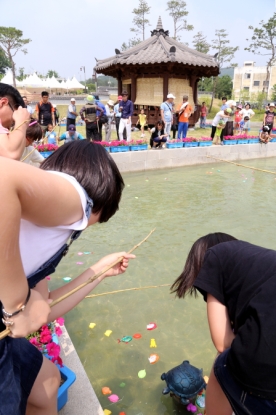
x=120, y=84
x=165, y=86
x=133, y=87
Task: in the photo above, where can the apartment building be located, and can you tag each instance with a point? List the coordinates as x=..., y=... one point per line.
x=249, y=80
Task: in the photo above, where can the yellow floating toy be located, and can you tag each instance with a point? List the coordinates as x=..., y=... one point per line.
x=153, y=343
x=107, y=333
x=92, y=325
x=107, y=412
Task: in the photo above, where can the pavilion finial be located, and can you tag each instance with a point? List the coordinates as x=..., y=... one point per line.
x=159, y=24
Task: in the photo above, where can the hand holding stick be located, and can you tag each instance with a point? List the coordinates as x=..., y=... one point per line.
x=6, y=332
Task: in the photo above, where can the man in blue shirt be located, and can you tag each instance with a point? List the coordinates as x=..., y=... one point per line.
x=71, y=113
x=167, y=113
x=117, y=116
x=224, y=106
x=102, y=115
x=126, y=110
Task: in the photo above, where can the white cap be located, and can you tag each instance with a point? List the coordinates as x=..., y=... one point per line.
x=54, y=105
x=170, y=96
x=231, y=103
x=73, y=100
x=271, y=104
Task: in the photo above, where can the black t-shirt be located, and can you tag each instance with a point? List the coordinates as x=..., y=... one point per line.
x=45, y=113
x=242, y=277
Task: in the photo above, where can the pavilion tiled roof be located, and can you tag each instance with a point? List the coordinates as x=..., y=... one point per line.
x=159, y=48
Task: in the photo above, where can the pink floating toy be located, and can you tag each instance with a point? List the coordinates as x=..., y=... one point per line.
x=151, y=326
x=114, y=398
x=192, y=408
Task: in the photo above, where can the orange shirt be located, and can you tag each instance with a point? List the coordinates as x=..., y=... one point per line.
x=184, y=117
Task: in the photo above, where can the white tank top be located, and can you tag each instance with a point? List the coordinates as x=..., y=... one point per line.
x=38, y=244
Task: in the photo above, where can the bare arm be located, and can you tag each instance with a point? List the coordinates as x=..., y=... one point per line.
x=12, y=145
x=219, y=324
x=162, y=115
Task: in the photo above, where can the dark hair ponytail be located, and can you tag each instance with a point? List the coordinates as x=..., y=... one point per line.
x=185, y=282
x=34, y=132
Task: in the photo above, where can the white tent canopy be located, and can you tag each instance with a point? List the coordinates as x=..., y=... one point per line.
x=53, y=83
x=76, y=84
x=33, y=81
x=8, y=79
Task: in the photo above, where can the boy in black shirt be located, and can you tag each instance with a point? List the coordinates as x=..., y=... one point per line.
x=45, y=111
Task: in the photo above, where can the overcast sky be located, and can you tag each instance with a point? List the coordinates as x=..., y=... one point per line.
x=69, y=34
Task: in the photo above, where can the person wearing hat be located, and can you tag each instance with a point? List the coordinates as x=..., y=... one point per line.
x=229, y=126
x=219, y=121
x=269, y=116
x=126, y=109
x=184, y=112
x=88, y=113
x=167, y=113
x=71, y=135
x=109, y=113
x=71, y=113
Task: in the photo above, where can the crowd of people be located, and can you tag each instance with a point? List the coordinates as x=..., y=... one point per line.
x=82, y=184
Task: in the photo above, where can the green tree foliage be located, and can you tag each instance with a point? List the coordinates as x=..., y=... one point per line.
x=263, y=43
x=11, y=42
x=273, y=97
x=177, y=10
x=4, y=62
x=224, y=53
x=224, y=86
x=140, y=21
x=51, y=73
x=131, y=42
x=200, y=43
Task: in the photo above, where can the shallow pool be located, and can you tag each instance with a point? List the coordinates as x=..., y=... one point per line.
x=182, y=204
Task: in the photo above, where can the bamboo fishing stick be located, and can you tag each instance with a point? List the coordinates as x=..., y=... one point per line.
x=127, y=289
x=6, y=332
x=242, y=165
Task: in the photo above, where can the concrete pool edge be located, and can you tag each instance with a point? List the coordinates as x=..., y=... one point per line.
x=81, y=394
x=134, y=161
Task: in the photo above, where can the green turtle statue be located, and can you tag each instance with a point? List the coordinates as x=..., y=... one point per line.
x=184, y=381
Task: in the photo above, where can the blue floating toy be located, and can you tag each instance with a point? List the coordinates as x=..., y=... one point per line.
x=184, y=382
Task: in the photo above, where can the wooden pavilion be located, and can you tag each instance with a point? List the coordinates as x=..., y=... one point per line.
x=158, y=66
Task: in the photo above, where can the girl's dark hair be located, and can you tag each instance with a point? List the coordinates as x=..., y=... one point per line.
x=49, y=125
x=160, y=123
x=247, y=104
x=185, y=282
x=10, y=92
x=96, y=172
x=34, y=132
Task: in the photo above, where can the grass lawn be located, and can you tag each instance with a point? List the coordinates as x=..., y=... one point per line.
x=197, y=132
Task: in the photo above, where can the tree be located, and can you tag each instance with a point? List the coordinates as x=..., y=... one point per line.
x=177, y=10
x=131, y=42
x=263, y=39
x=224, y=54
x=224, y=86
x=140, y=20
x=4, y=62
x=200, y=43
x=273, y=96
x=51, y=73
x=11, y=42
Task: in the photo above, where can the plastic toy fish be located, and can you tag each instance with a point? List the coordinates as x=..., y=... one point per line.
x=122, y=413
x=106, y=390
x=153, y=343
x=122, y=385
x=137, y=336
x=153, y=358
x=107, y=333
x=192, y=408
x=67, y=279
x=107, y=412
x=151, y=326
x=114, y=398
x=92, y=325
x=125, y=339
x=142, y=374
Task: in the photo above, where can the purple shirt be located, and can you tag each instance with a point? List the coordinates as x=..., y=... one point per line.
x=127, y=110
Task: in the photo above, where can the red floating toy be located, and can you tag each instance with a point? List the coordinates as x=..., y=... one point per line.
x=137, y=336
x=151, y=326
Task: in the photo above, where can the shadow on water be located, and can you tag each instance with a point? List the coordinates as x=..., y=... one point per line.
x=183, y=204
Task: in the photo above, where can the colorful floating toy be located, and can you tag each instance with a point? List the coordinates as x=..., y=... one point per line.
x=114, y=398
x=67, y=279
x=122, y=413
x=106, y=390
x=153, y=343
x=79, y=263
x=80, y=253
x=122, y=385
x=87, y=253
x=92, y=325
x=107, y=333
x=125, y=339
x=137, y=336
x=107, y=412
x=192, y=408
x=151, y=326
x=142, y=374
x=154, y=358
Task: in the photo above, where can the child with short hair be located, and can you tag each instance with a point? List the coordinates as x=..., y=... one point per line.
x=203, y=115
x=142, y=120
x=30, y=154
x=238, y=119
x=51, y=135
x=265, y=134
x=245, y=125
